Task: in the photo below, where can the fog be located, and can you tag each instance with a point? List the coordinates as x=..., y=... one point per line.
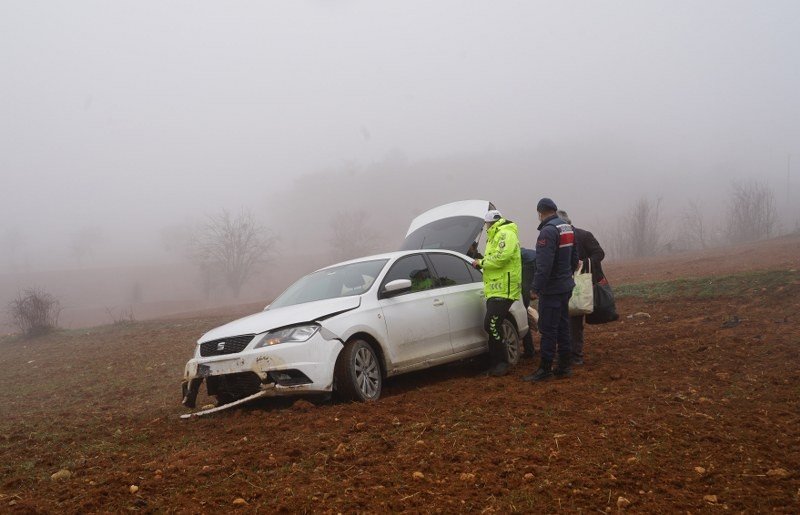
x=124, y=124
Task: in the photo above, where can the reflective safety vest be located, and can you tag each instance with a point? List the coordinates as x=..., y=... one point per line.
x=502, y=264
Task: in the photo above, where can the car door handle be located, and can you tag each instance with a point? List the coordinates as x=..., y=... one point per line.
x=438, y=302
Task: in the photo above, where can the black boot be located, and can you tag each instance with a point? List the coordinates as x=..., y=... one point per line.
x=499, y=357
x=542, y=374
x=527, y=345
x=564, y=369
x=498, y=370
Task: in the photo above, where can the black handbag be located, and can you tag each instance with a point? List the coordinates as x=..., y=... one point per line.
x=605, y=309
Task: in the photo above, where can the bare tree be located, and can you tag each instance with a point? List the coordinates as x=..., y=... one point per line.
x=693, y=226
x=211, y=275
x=751, y=212
x=34, y=312
x=351, y=235
x=83, y=243
x=121, y=316
x=639, y=232
x=236, y=246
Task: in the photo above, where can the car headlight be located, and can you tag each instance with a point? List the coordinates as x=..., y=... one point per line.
x=300, y=333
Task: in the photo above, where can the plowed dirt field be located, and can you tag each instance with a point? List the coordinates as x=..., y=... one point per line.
x=693, y=404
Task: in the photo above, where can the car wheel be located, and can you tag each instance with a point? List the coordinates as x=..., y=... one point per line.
x=511, y=341
x=358, y=372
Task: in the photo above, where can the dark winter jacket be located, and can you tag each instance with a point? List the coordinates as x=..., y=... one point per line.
x=556, y=257
x=588, y=247
x=528, y=271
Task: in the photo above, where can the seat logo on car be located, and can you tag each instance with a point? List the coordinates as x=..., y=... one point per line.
x=221, y=346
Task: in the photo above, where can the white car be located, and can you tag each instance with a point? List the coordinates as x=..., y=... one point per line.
x=347, y=327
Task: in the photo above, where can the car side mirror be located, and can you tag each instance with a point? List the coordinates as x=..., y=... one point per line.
x=396, y=286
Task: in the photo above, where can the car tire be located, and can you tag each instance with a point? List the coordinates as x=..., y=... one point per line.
x=512, y=341
x=357, y=373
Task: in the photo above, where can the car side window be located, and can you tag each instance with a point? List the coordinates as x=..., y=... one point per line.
x=413, y=268
x=450, y=270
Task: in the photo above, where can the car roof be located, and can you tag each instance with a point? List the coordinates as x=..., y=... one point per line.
x=394, y=255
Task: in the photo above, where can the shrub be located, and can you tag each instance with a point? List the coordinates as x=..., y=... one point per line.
x=34, y=312
x=751, y=212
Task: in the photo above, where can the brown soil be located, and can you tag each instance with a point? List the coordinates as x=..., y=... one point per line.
x=778, y=253
x=669, y=411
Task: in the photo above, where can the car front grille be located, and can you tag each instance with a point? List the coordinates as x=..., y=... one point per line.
x=234, y=386
x=222, y=346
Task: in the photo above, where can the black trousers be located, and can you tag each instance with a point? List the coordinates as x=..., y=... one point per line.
x=576, y=336
x=496, y=310
x=554, y=327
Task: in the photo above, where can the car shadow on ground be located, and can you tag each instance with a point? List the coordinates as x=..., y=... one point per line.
x=399, y=385
x=392, y=386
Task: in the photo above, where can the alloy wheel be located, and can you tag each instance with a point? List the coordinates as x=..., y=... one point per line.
x=367, y=372
x=511, y=341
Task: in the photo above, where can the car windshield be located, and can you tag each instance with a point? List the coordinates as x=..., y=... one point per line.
x=330, y=283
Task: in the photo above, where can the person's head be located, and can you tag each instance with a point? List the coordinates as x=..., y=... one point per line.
x=564, y=216
x=546, y=208
x=419, y=274
x=491, y=217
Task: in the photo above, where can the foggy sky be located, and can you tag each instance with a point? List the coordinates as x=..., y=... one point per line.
x=128, y=117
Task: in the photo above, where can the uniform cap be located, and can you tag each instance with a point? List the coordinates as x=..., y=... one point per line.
x=492, y=216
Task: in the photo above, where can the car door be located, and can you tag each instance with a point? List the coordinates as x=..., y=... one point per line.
x=417, y=322
x=462, y=290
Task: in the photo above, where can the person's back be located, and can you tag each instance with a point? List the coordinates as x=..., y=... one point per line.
x=528, y=257
x=589, y=248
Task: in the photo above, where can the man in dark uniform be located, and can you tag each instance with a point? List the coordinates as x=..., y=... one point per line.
x=556, y=260
x=588, y=248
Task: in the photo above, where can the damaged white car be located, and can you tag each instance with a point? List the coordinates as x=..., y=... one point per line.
x=347, y=327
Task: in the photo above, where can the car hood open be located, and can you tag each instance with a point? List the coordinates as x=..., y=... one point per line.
x=282, y=317
x=452, y=226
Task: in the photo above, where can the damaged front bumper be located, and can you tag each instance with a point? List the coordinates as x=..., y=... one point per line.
x=284, y=369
